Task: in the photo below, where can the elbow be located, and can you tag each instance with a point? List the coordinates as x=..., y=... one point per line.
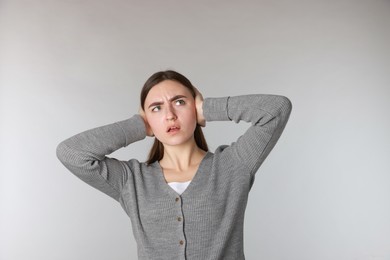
x=61, y=152
x=285, y=106
x=284, y=110
x=66, y=155
x=71, y=159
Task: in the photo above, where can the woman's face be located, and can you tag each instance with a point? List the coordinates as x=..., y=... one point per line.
x=171, y=113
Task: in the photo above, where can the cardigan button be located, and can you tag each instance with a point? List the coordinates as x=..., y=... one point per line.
x=181, y=242
x=177, y=199
x=179, y=219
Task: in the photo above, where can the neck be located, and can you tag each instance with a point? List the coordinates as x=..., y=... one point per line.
x=181, y=157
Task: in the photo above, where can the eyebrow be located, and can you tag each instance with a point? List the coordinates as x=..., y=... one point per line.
x=170, y=100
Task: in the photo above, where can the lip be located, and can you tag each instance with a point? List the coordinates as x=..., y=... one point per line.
x=175, y=130
x=172, y=132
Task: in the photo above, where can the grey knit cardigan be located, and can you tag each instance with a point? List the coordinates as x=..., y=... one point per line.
x=206, y=221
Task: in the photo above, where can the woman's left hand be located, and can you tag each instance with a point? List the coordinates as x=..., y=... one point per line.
x=199, y=108
x=148, y=129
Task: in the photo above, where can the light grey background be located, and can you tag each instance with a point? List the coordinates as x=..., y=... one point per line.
x=67, y=66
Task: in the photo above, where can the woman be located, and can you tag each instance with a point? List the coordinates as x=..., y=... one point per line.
x=185, y=202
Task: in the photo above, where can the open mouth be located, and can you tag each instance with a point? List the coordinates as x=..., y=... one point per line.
x=173, y=129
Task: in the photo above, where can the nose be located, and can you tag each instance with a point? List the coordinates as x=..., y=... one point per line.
x=170, y=113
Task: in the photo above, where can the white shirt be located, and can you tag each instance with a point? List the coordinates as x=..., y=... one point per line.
x=179, y=187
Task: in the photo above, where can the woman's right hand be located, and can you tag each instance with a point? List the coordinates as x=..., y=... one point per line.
x=149, y=131
x=199, y=108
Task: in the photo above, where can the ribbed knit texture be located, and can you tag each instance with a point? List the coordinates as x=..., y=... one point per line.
x=206, y=221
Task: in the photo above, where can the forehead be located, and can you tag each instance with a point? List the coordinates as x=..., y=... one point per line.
x=165, y=90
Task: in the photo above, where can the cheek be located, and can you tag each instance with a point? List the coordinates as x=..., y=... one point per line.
x=191, y=118
x=153, y=122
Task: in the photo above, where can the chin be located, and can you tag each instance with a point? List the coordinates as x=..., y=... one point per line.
x=173, y=143
x=177, y=141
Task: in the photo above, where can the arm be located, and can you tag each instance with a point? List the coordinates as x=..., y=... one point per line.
x=268, y=115
x=85, y=154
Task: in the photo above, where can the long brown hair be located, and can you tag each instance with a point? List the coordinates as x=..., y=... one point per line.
x=156, y=153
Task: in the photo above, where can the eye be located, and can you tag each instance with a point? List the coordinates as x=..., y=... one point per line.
x=156, y=108
x=180, y=102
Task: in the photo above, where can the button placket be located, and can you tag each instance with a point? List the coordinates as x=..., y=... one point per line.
x=180, y=221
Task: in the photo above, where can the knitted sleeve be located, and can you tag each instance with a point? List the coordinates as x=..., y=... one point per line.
x=268, y=115
x=85, y=154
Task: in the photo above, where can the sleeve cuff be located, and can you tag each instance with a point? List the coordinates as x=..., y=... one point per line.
x=136, y=125
x=216, y=109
